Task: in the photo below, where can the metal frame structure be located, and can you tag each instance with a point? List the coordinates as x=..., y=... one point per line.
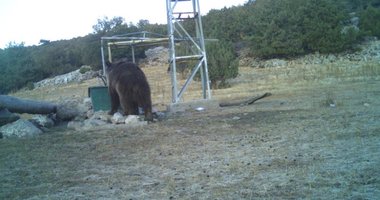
x=131, y=40
x=176, y=33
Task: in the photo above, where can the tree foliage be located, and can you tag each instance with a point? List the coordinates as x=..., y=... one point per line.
x=106, y=25
x=17, y=67
x=228, y=24
x=370, y=20
x=222, y=63
x=296, y=27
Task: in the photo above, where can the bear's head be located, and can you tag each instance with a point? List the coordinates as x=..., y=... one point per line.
x=108, y=66
x=118, y=63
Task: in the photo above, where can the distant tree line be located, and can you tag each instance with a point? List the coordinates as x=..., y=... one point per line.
x=22, y=65
x=269, y=28
x=288, y=28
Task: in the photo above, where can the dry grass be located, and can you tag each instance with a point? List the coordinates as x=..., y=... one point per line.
x=292, y=145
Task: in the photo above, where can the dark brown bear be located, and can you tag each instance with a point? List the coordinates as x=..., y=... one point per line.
x=128, y=88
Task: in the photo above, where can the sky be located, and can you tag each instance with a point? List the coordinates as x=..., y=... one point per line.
x=29, y=21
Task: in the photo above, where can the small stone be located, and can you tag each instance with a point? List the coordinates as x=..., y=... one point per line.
x=87, y=103
x=366, y=104
x=236, y=118
x=199, y=109
x=117, y=118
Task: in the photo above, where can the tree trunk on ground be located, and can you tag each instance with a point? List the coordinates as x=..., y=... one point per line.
x=17, y=105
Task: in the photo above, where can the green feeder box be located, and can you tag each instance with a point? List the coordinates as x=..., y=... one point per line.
x=100, y=98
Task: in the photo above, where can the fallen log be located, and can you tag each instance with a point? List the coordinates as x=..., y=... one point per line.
x=246, y=102
x=17, y=105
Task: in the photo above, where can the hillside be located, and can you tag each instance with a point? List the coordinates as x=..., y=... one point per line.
x=317, y=136
x=268, y=28
x=255, y=76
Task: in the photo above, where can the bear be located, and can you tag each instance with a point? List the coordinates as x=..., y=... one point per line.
x=128, y=87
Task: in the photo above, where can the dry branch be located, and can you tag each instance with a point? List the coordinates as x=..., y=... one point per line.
x=246, y=102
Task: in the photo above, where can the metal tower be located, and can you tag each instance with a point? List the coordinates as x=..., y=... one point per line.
x=178, y=13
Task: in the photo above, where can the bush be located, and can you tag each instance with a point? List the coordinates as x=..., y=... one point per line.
x=295, y=27
x=370, y=21
x=222, y=63
x=84, y=69
x=30, y=86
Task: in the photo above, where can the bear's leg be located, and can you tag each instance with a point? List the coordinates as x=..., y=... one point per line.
x=124, y=105
x=146, y=104
x=144, y=100
x=115, y=101
x=148, y=112
x=128, y=106
x=134, y=109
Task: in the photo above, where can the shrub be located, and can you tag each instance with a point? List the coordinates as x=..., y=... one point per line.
x=30, y=86
x=222, y=63
x=370, y=21
x=84, y=69
x=295, y=27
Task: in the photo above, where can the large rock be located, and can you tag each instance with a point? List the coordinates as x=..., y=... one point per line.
x=100, y=115
x=134, y=120
x=70, y=109
x=19, y=129
x=155, y=56
x=76, y=125
x=42, y=121
x=7, y=117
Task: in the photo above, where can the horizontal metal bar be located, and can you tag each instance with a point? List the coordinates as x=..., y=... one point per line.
x=139, y=41
x=179, y=58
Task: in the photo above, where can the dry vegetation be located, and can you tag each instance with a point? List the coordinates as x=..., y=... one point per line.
x=316, y=137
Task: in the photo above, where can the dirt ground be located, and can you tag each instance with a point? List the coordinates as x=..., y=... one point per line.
x=316, y=137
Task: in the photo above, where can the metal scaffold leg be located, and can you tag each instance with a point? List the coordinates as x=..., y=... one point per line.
x=176, y=15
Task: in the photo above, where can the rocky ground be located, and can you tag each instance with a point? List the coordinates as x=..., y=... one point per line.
x=316, y=137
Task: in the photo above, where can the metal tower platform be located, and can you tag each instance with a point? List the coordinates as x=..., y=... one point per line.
x=178, y=12
x=131, y=40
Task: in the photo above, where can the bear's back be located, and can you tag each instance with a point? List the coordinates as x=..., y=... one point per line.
x=127, y=74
